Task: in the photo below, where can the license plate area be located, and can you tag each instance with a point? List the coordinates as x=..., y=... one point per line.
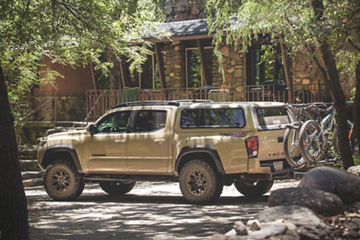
x=278, y=166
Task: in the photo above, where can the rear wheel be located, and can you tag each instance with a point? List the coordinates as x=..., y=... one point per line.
x=291, y=148
x=200, y=183
x=117, y=188
x=311, y=142
x=62, y=182
x=253, y=188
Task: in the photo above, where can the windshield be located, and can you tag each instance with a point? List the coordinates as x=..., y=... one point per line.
x=272, y=117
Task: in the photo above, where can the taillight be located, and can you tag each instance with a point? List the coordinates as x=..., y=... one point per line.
x=252, y=146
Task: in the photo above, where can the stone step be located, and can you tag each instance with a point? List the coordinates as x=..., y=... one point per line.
x=33, y=182
x=29, y=165
x=32, y=174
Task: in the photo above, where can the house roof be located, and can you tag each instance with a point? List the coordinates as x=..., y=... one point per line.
x=179, y=29
x=185, y=28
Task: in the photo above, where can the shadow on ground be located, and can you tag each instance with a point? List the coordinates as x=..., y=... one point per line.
x=96, y=215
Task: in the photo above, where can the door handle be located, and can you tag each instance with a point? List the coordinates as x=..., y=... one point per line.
x=161, y=140
x=119, y=141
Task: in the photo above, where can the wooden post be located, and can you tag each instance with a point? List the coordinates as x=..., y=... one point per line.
x=288, y=77
x=92, y=76
x=160, y=66
x=204, y=74
x=122, y=71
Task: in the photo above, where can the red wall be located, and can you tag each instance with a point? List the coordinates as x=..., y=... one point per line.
x=76, y=79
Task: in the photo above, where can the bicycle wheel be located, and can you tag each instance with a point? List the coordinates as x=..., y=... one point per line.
x=311, y=142
x=291, y=148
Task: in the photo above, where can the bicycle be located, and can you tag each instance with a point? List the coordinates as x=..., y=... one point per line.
x=317, y=137
x=291, y=148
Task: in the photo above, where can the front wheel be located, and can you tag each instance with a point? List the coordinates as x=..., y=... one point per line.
x=62, y=182
x=117, y=188
x=253, y=188
x=200, y=183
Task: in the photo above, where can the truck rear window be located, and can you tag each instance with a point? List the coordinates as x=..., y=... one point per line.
x=272, y=117
x=213, y=118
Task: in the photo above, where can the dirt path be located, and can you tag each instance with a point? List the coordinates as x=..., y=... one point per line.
x=151, y=211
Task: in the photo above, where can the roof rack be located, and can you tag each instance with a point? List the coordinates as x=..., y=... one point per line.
x=161, y=103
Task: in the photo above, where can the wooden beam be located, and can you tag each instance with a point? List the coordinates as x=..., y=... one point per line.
x=122, y=72
x=92, y=76
x=204, y=74
x=160, y=66
x=288, y=77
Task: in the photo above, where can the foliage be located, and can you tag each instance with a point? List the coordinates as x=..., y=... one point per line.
x=76, y=32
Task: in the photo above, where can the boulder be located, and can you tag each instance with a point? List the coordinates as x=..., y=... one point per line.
x=323, y=203
x=295, y=214
x=333, y=180
x=354, y=170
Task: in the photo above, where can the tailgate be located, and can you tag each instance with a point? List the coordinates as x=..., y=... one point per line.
x=271, y=144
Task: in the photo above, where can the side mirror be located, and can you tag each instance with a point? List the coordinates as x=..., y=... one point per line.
x=92, y=129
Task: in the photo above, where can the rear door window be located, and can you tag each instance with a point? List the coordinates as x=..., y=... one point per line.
x=272, y=117
x=149, y=120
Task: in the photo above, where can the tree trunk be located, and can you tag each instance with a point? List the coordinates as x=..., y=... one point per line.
x=356, y=107
x=338, y=98
x=336, y=92
x=13, y=204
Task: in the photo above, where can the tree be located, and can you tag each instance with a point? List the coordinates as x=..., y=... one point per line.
x=69, y=32
x=324, y=28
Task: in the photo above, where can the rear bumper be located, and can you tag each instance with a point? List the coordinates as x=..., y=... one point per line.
x=284, y=174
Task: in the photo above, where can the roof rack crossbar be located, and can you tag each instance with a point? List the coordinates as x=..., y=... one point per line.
x=161, y=103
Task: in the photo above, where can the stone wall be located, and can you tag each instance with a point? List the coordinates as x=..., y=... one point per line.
x=180, y=10
x=68, y=108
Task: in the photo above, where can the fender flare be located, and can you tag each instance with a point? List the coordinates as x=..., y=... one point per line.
x=63, y=148
x=207, y=149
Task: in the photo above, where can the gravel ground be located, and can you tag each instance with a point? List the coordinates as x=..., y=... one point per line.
x=152, y=210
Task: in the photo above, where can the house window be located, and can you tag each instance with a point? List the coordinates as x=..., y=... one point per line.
x=254, y=67
x=194, y=76
x=264, y=71
x=150, y=77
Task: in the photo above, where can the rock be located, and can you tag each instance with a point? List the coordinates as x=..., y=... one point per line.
x=254, y=225
x=240, y=228
x=354, y=170
x=323, y=203
x=333, y=180
x=354, y=207
x=267, y=230
x=313, y=232
x=295, y=214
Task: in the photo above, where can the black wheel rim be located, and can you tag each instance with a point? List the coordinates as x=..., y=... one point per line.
x=61, y=180
x=197, y=182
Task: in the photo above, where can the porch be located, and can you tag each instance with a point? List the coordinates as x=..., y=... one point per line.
x=99, y=101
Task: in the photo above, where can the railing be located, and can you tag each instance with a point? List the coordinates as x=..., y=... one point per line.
x=99, y=101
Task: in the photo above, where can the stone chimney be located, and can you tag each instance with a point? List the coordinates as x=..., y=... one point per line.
x=181, y=10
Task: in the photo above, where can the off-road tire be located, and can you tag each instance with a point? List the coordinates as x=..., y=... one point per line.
x=200, y=183
x=62, y=182
x=253, y=189
x=118, y=188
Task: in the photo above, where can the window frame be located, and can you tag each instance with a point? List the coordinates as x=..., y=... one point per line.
x=154, y=67
x=187, y=65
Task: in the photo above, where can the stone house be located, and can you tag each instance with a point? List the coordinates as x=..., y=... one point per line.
x=184, y=66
